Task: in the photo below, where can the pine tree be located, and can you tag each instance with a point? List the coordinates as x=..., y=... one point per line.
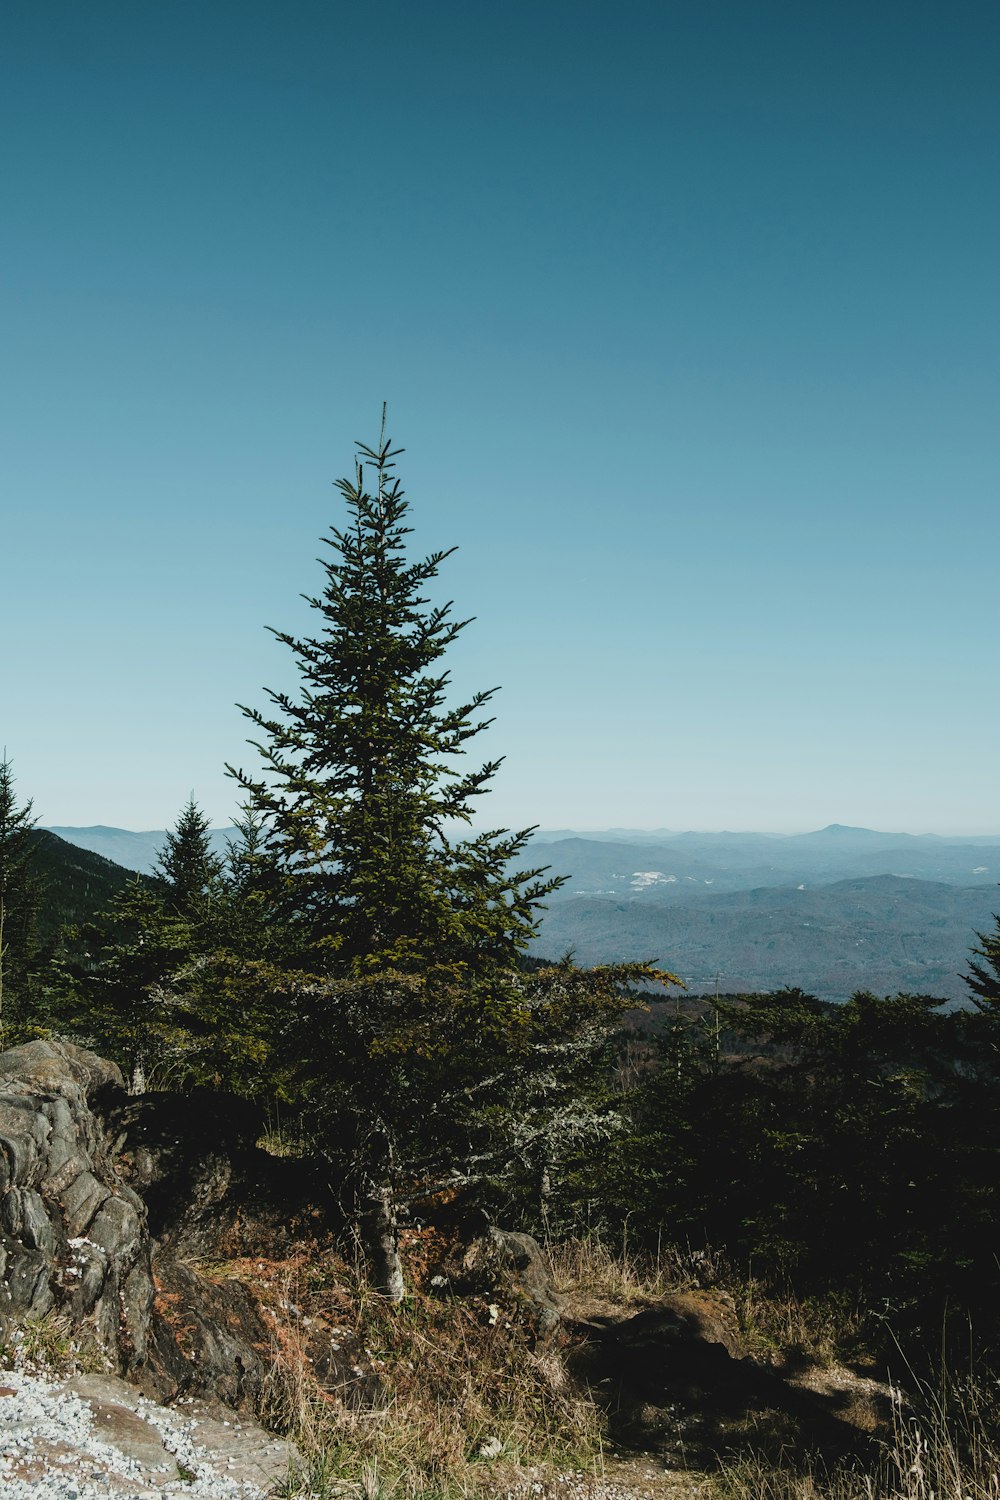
x=188, y=865
x=140, y=987
x=418, y=1023
x=245, y=920
x=18, y=904
x=361, y=787
x=136, y=948
x=984, y=984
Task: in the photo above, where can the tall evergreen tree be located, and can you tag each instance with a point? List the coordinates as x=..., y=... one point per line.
x=18, y=904
x=361, y=785
x=419, y=1024
x=245, y=919
x=137, y=990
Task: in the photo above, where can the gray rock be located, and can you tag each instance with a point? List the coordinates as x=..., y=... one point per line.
x=80, y=1202
x=72, y=1233
x=76, y=1238
x=511, y=1263
x=116, y=1421
x=529, y=1272
x=36, y=1230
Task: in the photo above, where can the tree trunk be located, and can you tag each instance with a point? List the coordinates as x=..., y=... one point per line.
x=387, y=1268
x=544, y=1192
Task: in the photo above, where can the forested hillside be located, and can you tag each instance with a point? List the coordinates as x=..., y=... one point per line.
x=74, y=885
x=723, y=907
x=884, y=933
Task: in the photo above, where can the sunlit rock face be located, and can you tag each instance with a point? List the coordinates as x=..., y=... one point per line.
x=74, y=1236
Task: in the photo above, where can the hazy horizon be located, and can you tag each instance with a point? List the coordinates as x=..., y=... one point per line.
x=545, y=830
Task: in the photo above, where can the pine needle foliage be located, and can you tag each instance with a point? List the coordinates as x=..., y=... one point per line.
x=188, y=866
x=361, y=785
x=983, y=978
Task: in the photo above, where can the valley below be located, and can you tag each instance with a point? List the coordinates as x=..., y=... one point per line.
x=830, y=912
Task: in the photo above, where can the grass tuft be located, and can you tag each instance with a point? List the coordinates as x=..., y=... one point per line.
x=458, y=1402
x=945, y=1445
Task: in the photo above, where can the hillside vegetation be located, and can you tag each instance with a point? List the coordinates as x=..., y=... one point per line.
x=829, y=912
x=74, y=884
x=885, y=933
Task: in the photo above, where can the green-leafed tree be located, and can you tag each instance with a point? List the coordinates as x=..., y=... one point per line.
x=416, y=1020
x=19, y=901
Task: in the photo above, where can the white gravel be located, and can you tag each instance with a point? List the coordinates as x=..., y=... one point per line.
x=50, y=1451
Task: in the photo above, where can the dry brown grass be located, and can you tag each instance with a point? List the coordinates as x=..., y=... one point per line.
x=945, y=1446
x=591, y=1268
x=458, y=1402
x=774, y=1325
x=782, y=1325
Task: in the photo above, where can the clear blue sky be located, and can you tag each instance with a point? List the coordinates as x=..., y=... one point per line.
x=687, y=315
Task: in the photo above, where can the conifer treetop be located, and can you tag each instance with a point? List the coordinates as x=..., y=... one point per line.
x=362, y=781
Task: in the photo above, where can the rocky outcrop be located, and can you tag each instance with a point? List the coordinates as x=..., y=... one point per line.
x=108, y=1203
x=74, y=1237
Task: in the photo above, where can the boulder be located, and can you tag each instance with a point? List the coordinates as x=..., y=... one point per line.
x=482, y=1260
x=107, y=1203
x=524, y=1269
x=74, y=1240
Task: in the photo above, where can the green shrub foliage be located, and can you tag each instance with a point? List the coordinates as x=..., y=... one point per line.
x=983, y=977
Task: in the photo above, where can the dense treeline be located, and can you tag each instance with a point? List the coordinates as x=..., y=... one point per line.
x=838, y=1149
x=357, y=958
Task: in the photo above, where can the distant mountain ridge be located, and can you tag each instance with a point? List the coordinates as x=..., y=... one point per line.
x=134, y=851
x=77, y=884
x=674, y=867
x=882, y=933
x=833, y=911
x=728, y=861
